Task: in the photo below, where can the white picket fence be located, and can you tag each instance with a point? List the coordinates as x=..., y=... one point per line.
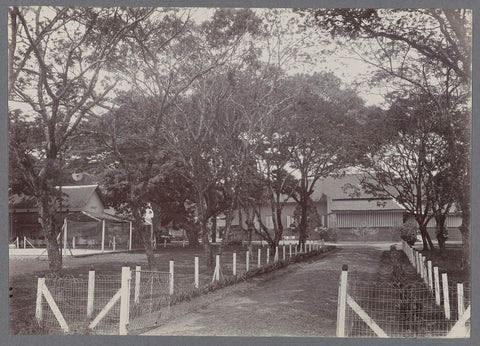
x=431, y=277
x=113, y=304
x=403, y=310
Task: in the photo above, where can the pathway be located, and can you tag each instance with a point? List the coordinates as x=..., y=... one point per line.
x=300, y=300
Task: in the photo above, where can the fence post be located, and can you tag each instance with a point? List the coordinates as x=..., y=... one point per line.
x=259, y=260
x=138, y=274
x=24, y=242
x=247, y=264
x=342, y=302
x=91, y=292
x=268, y=255
x=73, y=242
x=460, y=303
x=413, y=258
x=284, y=252
x=234, y=271
x=18, y=244
x=421, y=266
x=430, y=279
x=196, y=272
x=446, y=298
x=437, y=285
x=103, y=235
x=65, y=235
x=290, y=250
x=113, y=243
x=171, y=276
x=124, y=300
x=425, y=272
x=39, y=307
x=217, y=268
x=130, y=237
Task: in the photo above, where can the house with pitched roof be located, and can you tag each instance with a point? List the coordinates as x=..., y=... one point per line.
x=355, y=215
x=81, y=214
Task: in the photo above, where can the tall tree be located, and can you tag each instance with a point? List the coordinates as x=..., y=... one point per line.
x=320, y=127
x=407, y=168
x=57, y=56
x=425, y=50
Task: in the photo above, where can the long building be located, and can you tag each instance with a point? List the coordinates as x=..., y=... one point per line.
x=355, y=215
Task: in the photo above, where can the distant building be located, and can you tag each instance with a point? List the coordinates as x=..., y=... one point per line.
x=82, y=209
x=355, y=215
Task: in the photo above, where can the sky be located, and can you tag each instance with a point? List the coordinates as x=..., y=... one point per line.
x=340, y=63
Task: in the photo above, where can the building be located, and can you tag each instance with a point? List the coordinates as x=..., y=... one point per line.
x=355, y=215
x=81, y=215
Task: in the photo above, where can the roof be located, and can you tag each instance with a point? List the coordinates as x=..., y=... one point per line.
x=365, y=205
x=88, y=216
x=74, y=198
x=347, y=186
x=346, y=194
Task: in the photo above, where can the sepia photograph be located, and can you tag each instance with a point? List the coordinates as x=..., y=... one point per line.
x=236, y=171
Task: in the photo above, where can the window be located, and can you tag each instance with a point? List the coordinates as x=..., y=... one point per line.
x=269, y=222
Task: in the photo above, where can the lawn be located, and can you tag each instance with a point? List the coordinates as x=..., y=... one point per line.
x=24, y=273
x=450, y=261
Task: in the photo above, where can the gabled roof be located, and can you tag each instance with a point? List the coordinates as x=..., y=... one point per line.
x=346, y=194
x=365, y=205
x=89, y=216
x=347, y=186
x=74, y=198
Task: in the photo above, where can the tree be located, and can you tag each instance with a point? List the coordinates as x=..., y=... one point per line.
x=428, y=50
x=406, y=167
x=195, y=131
x=56, y=59
x=319, y=128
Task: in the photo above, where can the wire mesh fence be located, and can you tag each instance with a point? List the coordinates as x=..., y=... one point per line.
x=149, y=296
x=70, y=295
x=95, y=304
x=408, y=310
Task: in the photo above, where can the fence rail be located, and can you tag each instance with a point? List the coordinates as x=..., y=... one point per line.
x=135, y=300
x=431, y=307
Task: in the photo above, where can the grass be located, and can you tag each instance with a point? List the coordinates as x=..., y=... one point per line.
x=24, y=273
x=450, y=261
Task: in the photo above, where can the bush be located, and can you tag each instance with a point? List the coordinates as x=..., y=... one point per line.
x=235, y=242
x=408, y=231
x=327, y=234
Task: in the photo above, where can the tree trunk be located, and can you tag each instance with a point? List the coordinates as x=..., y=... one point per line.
x=465, y=232
x=47, y=212
x=147, y=242
x=302, y=238
x=207, y=248
x=204, y=231
x=427, y=241
x=47, y=222
x=192, y=234
x=441, y=230
x=214, y=229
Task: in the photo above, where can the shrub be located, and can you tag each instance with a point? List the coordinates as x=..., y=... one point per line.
x=408, y=231
x=327, y=234
x=235, y=242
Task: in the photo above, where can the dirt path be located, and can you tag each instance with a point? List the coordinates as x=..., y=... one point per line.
x=300, y=300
